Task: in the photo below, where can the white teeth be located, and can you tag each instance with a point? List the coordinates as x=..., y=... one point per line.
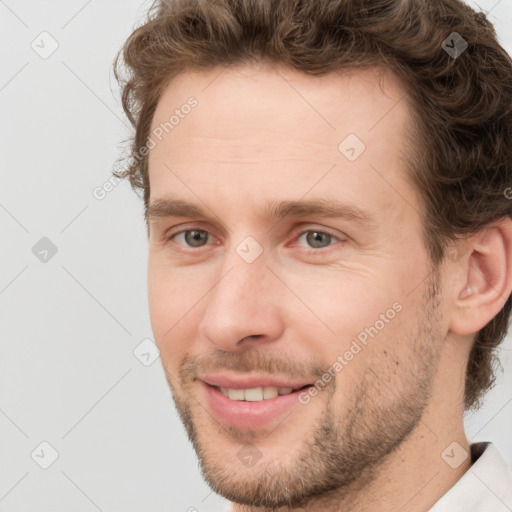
x=255, y=394
x=236, y=394
x=270, y=393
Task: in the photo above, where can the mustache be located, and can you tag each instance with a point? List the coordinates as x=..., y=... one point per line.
x=254, y=360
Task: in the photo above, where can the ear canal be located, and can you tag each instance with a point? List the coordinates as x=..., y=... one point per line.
x=466, y=292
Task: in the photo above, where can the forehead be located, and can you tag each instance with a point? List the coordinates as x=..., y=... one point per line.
x=347, y=99
x=260, y=127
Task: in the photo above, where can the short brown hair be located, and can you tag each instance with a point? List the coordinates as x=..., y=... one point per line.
x=462, y=104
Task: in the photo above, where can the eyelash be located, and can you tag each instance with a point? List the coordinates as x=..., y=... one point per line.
x=297, y=235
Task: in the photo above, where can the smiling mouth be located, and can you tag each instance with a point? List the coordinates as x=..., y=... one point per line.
x=251, y=407
x=258, y=394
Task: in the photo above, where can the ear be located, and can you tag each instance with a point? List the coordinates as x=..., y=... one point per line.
x=486, y=279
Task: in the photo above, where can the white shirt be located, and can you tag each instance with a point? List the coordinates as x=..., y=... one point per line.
x=485, y=487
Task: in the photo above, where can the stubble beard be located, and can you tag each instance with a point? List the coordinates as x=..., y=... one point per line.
x=346, y=449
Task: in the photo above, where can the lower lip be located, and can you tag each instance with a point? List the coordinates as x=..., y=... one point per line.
x=248, y=415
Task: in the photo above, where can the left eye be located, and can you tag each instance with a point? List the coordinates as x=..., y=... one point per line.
x=317, y=239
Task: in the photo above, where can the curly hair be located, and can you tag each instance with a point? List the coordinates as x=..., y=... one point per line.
x=461, y=161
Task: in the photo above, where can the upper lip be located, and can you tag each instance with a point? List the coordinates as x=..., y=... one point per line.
x=251, y=381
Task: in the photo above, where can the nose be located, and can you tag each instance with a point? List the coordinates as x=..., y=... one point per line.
x=243, y=306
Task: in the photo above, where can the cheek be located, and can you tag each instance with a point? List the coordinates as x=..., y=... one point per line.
x=343, y=303
x=167, y=299
x=160, y=298
x=174, y=305
x=355, y=319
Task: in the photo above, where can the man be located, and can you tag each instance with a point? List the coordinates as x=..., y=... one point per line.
x=330, y=243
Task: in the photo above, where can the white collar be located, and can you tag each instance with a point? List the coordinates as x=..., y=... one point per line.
x=486, y=486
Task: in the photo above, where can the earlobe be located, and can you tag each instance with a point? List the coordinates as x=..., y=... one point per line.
x=487, y=278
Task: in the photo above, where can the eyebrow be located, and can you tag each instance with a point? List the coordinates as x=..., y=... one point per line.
x=164, y=208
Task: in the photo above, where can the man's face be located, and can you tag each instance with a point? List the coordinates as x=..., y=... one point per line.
x=241, y=299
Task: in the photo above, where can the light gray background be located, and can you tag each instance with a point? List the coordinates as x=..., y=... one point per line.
x=69, y=326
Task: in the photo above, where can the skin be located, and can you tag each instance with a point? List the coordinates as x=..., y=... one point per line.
x=373, y=439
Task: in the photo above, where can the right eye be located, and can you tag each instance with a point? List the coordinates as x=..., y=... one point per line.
x=193, y=238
